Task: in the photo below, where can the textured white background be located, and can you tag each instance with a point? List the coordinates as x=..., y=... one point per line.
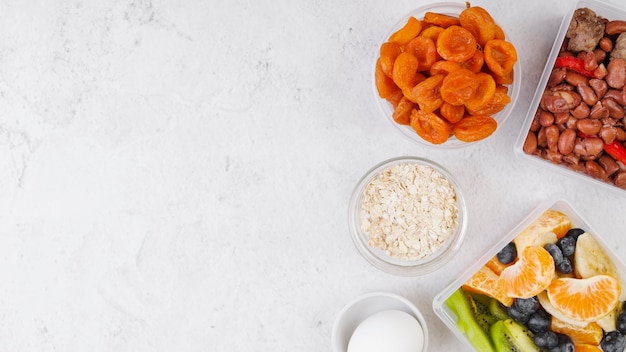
x=174, y=176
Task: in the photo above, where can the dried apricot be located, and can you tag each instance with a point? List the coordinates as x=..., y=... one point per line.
x=499, y=34
x=395, y=97
x=424, y=50
x=474, y=128
x=506, y=79
x=479, y=22
x=385, y=85
x=452, y=113
x=459, y=86
x=500, y=56
x=443, y=67
x=402, y=112
x=485, y=90
x=432, y=32
x=430, y=127
x=456, y=44
x=405, y=71
x=389, y=51
x=427, y=93
x=441, y=20
x=474, y=63
x=409, y=31
x=498, y=102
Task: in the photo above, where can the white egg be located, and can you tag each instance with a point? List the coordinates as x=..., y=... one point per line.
x=389, y=330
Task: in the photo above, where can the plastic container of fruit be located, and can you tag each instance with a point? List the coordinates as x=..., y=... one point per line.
x=551, y=160
x=387, y=109
x=592, y=258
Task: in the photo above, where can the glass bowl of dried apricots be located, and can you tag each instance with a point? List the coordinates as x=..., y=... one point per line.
x=447, y=75
x=551, y=283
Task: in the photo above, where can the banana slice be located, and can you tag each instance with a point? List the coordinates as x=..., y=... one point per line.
x=590, y=259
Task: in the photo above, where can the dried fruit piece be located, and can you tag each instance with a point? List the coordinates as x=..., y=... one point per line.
x=427, y=93
x=459, y=86
x=474, y=63
x=402, y=112
x=584, y=300
x=440, y=19
x=484, y=92
x=500, y=57
x=452, y=113
x=430, y=127
x=444, y=67
x=456, y=44
x=479, y=22
x=389, y=51
x=424, y=50
x=496, y=104
x=409, y=31
x=385, y=86
x=432, y=32
x=474, y=128
x=530, y=275
x=405, y=73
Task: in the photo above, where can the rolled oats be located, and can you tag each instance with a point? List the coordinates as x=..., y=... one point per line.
x=408, y=210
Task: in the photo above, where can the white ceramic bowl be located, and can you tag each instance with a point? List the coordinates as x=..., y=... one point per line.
x=449, y=8
x=363, y=307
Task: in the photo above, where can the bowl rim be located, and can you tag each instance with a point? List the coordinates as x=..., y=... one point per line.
x=338, y=331
x=404, y=267
x=384, y=107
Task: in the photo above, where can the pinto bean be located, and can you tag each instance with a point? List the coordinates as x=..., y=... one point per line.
x=594, y=170
x=562, y=117
x=557, y=76
x=600, y=72
x=587, y=94
x=598, y=111
x=620, y=134
x=599, y=86
x=615, y=27
x=554, y=103
x=615, y=110
x=581, y=111
x=552, y=137
x=608, y=164
x=590, y=61
x=616, y=76
x=566, y=141
x=589, y=126
x=608, y=134
x=542, y=141
x=606, y=44
x=620, y=180
x=530, y=144
x=575, y=78
x=546, y=118
x=600, y=56
x=617, y=95
x=592, y=148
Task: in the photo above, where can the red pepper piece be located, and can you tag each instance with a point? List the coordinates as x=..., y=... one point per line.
x=573, y=63
x=617, y=151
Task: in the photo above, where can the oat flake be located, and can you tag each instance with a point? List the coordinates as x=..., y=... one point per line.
x=408, y=210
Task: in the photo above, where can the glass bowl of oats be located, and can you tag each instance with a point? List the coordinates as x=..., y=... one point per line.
x=407, y=216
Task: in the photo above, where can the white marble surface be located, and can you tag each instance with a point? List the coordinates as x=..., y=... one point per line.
x=174, y=176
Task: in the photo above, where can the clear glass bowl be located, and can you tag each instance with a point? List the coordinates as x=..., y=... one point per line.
x=403, y=267
x=449, y=8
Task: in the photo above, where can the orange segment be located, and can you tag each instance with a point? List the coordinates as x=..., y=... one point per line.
x=549, y=221
x=485, y=282
x=586, y=348
x=531, y=274
x=585, y=300
x=590, y=334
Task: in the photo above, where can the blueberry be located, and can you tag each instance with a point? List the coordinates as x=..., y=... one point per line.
x=526, y=305
x=546, y=339
x=565, y=344
x=567, y=245
x=508, y=254
x=621, y=323
x=516, y=315
x=538, y=322
x=613, y=342
x=555, y=252
x=565, y=266
x=575, y=233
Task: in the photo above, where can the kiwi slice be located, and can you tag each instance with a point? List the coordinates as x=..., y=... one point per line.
x=490, y=306
x=509, y=336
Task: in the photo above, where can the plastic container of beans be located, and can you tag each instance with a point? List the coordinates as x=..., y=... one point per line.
x=577, y=142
